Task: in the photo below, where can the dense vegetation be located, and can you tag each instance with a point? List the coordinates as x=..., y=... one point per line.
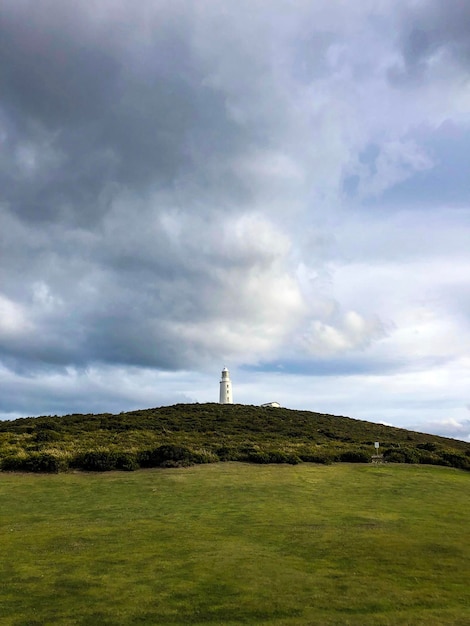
x=187, y=434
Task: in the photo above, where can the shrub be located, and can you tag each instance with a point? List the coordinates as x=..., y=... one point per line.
x=401, y=455
x=105, y=461
x=13, y=463
x=430, y=446
x=227, y=453
x=256, y=457
x=428, y=458
x=46, y=435
x=205, y=456
x=273, y=456
x=323, y=458
x=168, y=455
x=354, y=456
x=127, y=462
x=41, y=462
x=454, y=459
x=97, y=461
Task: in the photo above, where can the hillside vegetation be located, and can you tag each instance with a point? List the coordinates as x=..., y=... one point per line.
x=186, y=434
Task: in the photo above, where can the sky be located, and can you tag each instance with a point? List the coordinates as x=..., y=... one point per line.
x=278, y=187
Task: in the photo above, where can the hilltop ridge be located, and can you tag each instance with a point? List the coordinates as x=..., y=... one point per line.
x=183, y=434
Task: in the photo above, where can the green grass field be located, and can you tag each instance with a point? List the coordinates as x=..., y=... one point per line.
x=231, y=543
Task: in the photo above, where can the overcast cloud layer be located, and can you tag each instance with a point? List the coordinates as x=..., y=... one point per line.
x=279, y=187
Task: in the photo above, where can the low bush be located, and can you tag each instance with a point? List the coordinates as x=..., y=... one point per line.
x=168, y=455
x=34, y=462
x=454, y=459
x=127, y=462
x=46, y=435
x=354, y=456
x=273, y=456
x=430, y=446
x=427, y=458
x=97, y=461
x=227, y=453
x=323, y=458
x=401, y=455
x=205, y=456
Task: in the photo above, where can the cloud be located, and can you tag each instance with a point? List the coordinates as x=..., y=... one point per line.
x=186, y=183
x=101, y=389
x=453, y=428
x=351, y=332
x=435, y=33
x=395, y=162
x=13, y=319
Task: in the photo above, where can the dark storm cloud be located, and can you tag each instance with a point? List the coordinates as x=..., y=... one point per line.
x=449, y=26
x=107, y=108
x=170, y=177
x=55, y=84
x=432, y=29
x=53, y=69
x=115, y=143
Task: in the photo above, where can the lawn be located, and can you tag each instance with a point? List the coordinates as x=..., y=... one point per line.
x=232, y=543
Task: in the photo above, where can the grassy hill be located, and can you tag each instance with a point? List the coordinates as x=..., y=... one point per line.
x=187, y=434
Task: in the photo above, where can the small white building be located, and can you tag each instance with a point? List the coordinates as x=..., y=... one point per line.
x=225, y=396
x=271, y=405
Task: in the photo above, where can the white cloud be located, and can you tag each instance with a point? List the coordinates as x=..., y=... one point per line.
x=396, y=162
x=14, y=320
x=352, y=331
x=448, y=427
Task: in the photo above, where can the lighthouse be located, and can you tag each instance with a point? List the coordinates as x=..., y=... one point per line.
x=225, y=388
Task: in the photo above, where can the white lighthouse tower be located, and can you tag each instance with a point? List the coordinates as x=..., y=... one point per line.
x=225, y=388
